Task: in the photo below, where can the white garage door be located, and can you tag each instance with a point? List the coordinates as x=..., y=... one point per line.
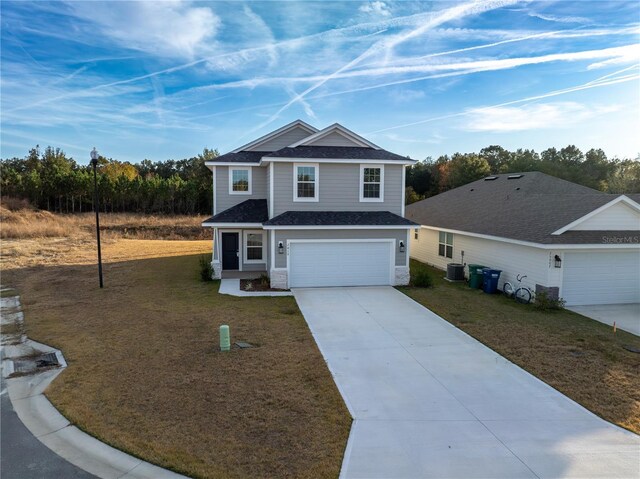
x=340, y=263
x=601, y=278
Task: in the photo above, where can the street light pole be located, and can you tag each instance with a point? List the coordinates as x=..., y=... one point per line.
x=96, y=207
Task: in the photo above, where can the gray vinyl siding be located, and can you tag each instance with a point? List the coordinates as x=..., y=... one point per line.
x=283, y=140
x=284, y=235
x=339, y=189
x=224, y=200
x=334, y=139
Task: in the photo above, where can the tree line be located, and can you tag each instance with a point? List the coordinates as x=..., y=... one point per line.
x=593, y=169
x=50, y=180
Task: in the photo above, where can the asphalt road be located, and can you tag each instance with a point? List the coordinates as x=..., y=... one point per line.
x=23, y=456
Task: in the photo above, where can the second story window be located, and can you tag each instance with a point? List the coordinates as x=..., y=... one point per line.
x=371, y=183
x=239, y=181
x=305, y=182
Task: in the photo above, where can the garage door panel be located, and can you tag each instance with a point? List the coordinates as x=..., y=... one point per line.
x=601, y=278
x=338, y=263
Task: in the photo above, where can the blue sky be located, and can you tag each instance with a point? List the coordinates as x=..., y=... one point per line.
x=162, y=80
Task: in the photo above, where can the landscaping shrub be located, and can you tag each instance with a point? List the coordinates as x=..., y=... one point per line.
x=206, y=270
x=422, y=279
x=264, y=280
x=544, y=302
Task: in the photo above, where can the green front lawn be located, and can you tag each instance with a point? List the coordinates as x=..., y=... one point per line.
x=580, y=357
x=144, y=374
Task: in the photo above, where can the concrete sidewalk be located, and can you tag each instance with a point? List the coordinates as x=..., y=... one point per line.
x=429, y=401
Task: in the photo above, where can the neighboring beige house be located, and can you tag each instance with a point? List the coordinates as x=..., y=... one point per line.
x=581, y=244
x=311, y=208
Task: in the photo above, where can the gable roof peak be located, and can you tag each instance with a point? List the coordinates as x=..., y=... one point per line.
x=336, y=128
x=283, y=129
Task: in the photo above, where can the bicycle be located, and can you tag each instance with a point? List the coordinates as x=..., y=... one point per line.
x=521, y=294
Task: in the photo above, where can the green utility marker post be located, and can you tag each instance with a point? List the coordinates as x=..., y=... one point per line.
x=225, y=339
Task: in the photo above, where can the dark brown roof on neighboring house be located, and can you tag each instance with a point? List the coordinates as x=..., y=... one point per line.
x=338, y=218
x=528, y=207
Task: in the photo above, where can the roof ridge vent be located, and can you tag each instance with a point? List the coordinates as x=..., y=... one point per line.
x=514, y=177
x=490, y=178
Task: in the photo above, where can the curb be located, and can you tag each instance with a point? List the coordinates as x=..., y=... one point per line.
x=55, y=431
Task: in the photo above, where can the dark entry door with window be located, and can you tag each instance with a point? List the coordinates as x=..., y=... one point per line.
x=230, y=248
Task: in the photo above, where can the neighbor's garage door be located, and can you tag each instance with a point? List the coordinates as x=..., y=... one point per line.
x=601, y=278
x=340, y=263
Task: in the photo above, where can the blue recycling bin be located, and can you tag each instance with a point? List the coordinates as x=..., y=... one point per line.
x=491, y=277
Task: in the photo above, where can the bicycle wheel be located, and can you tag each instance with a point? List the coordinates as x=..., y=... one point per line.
x=507, y=289
x=523, y=295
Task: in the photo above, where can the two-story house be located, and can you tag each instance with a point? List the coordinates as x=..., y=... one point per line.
x=311, y=208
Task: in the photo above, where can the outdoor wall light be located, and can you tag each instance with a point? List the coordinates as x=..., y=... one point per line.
x=558, y=261
x=280, y=247
x=401, y=246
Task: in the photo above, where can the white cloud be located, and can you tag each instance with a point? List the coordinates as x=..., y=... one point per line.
x=433, y=139
x=558, y=19
x=169, y=28
x=532, y=116
x=376, y=8
x=406, y=95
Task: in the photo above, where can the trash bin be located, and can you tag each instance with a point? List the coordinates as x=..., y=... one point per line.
x=475, y=276
x=491, y=277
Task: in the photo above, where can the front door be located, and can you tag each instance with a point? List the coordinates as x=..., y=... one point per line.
x=230, y=249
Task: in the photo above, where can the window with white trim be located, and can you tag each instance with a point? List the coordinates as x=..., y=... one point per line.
x=445, y=245
x=371, y=182
x=240, y=181
x=254, y=247
x=305, y=181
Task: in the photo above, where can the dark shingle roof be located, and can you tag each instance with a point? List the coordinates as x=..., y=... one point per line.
x=336, y=152
x=322, y=152
x=249, y=211
x=240, y=157
x=338, y=218
x=529, y=208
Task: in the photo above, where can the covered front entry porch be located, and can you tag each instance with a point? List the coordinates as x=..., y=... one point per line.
x=239, y=252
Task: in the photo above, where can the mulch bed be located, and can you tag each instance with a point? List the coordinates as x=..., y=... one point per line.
x=258, y=285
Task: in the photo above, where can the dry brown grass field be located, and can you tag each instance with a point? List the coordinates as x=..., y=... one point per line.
x=19, y=221
x=143, y=371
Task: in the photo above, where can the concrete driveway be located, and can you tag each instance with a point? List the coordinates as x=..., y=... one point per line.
x=428, y=401
x=626, y=316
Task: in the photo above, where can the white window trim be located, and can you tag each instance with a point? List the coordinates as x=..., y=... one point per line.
x=445, y=244
x=244, y=168
x=245, y=247
x=371, y=200
x=316, y=198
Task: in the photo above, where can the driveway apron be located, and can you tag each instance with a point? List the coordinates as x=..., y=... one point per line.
x=429, y=401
